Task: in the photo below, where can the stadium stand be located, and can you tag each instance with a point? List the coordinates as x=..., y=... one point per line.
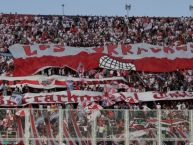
x=103, y=105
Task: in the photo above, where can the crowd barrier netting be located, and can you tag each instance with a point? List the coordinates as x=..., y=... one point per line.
x=90, y=127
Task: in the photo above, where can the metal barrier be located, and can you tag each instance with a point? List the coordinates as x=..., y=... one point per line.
x=111, y=127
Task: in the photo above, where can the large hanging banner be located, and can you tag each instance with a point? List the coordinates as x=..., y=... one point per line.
x=141, y=57
x=78, y=96
x=55, y=81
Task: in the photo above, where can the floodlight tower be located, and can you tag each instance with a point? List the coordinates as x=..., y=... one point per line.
x=127, y=8
x=191, y=9
x=62, y=9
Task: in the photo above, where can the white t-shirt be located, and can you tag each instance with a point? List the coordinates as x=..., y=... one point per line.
x=183, y=106
x=179, y=106
x=158, y=106
x=101, y=129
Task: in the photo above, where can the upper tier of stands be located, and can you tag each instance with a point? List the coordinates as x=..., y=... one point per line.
x=88, y=31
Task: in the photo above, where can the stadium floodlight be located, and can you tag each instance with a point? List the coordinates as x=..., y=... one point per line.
x=62, y=9
x=128, y=8
x=191, y=9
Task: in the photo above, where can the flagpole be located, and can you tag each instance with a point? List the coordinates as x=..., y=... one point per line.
x=94, y=131
x=127, y=126
x=191, y=126
x=159, y=126
x=61, y=119
x=27, y=126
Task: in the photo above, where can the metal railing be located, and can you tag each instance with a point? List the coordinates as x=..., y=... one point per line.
x=122, y=127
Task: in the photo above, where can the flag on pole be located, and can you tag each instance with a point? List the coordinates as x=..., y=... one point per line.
x=20, y=113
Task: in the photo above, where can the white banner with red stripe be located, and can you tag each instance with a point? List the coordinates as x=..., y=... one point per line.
x=78, y=96
x=126, y=51
x=55, y=81
x=142, y=56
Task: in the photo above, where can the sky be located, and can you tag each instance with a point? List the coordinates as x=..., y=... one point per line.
x=164, y=8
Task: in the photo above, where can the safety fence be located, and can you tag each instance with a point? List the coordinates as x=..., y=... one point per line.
x=95, y=127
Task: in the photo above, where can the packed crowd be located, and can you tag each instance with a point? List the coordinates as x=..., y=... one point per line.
x=87, y=31
x=133, y=81
x=6, y=64
x=110, y=125
x=93, y=30
x=96, y=31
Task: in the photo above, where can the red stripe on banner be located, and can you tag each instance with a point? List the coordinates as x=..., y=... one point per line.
x=11, y=83
x=66, y=133
x=162, y=64
x=49, y=129
x=76, y=127
x=20, y=82
x=49, y=133
x=20, y=130
x=60, y=83
x=32, y=121
x=33, y=82
x=33, y=64
x=91, y=61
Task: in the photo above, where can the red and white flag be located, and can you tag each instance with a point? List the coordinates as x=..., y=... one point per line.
x=140, y=57
x=20, y=113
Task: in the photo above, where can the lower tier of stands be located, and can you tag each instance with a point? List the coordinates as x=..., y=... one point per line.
x=101, y=127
